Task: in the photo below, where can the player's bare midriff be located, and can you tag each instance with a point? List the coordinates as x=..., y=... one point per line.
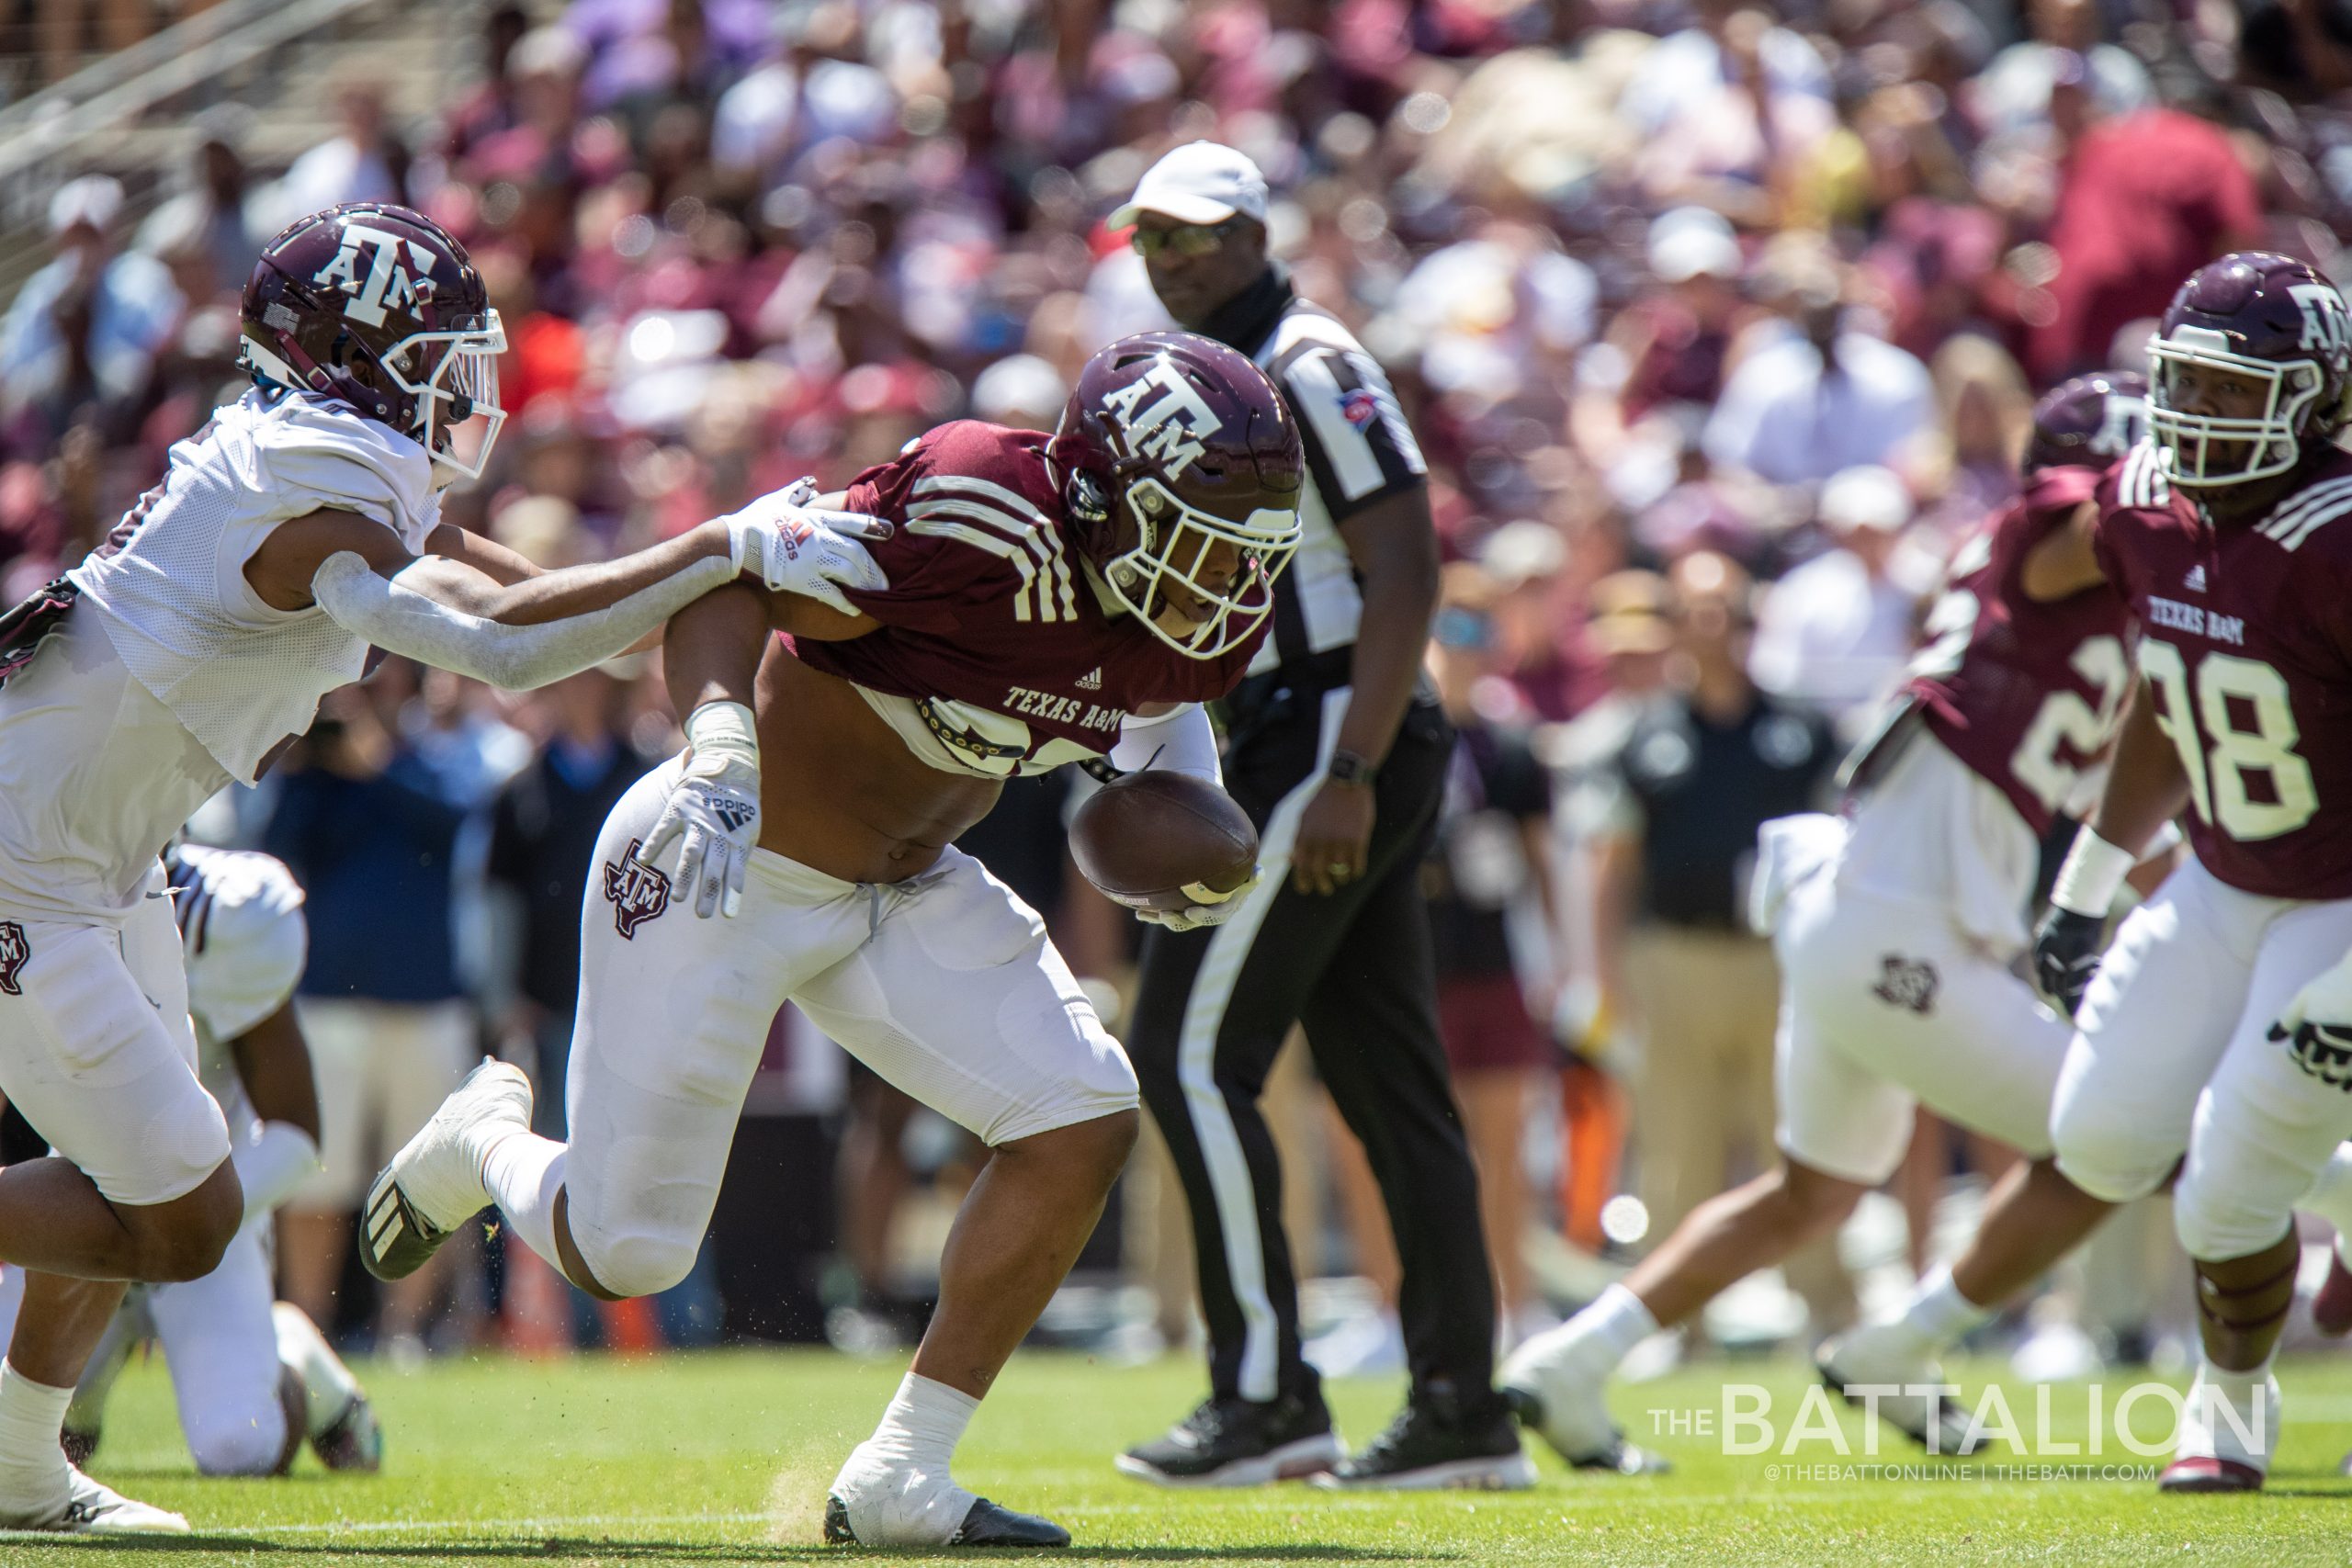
x=840, y=791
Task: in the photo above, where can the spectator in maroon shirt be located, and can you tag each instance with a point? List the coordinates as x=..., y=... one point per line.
x=2144, y=200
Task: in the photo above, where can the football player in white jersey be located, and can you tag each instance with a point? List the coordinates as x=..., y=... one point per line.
x=300, y=529
x=252, y=1378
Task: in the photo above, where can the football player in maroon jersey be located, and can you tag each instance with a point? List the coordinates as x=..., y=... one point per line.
x=1051, y=599
x=2215, y=1025
x=1895, y=926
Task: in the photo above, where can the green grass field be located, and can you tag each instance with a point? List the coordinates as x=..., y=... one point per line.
x=724, y=1458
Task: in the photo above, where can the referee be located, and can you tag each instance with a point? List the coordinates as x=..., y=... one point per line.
x=1337, y=749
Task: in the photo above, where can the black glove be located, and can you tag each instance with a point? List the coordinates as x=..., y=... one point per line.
x=2065, y=956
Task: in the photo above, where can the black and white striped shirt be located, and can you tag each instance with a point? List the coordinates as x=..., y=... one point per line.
x=1359, y=451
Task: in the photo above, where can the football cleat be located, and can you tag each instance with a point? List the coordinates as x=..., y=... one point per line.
x=1239, y=1442
x=2215, y=1454
x=353, y=1440
x=878, y=1501
x=1556, y=1392
x=434, y=1185
x=91, y=1509
x=1882, y=1359
x=1435, y=1445
x=985, y=1525
x=2332, y=1306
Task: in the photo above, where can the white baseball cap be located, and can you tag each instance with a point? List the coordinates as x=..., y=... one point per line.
x=1690, y=240
x=1867, y=496
x=93, y=199
x=1200, y=182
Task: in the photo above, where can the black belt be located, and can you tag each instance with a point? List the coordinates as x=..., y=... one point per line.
x=1295, y=686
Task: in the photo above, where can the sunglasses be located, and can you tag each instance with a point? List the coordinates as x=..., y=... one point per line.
x=1185, y=239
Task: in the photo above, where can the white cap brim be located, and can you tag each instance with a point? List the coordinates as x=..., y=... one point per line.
x=1180, y=206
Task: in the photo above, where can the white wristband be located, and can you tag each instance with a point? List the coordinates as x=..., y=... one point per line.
x=2092, y=875
x=724, y=732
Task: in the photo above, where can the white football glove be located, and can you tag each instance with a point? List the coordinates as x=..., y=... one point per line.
x=714, y=809
x=1209, y=907
x=793, y=547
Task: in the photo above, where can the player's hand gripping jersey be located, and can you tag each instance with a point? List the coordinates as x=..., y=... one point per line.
x=996, y=653
x=2246, y=646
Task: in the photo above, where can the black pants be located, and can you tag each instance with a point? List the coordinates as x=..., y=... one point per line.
x=1355, y=968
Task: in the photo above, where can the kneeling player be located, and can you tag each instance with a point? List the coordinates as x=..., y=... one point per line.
x=1051, y=599
x=1895, y=930
x=252, y=1378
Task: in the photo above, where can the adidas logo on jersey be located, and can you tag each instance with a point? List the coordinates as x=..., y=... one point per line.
x=2195, y=581
x=1092, y=681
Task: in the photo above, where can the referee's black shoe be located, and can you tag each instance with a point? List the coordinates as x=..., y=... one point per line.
x=1239, y=1442
x=1438, y=1441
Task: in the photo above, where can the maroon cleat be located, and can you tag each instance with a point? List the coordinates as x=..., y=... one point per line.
x=2208, y=1472
x=2331, y=1307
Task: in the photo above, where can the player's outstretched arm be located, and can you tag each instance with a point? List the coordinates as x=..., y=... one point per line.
x=2146, y=788
x=452, y=614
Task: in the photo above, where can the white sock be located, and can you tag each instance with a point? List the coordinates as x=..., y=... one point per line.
x=2331, y=1196
x=2238, y=1388
x=524, y=1173
x=1613, y=1324
x=32, y=1467
x=923, y=1425
x=1938, y=1313
x=328, y=1387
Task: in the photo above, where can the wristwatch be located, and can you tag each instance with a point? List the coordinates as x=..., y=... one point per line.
x=1347, y=768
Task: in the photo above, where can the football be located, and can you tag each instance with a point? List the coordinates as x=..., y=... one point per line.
x=1143, y=838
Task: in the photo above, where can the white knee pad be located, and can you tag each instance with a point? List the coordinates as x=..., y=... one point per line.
x=2105, y=1152
x=638, y=1263
x=238, y=1437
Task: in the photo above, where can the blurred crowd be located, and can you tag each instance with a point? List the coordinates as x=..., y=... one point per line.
x=1718, y=322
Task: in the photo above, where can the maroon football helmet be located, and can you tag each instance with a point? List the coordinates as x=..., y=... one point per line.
x=2256, y=317
x=1171, y=445
x=377, y=306
x=2090, y=422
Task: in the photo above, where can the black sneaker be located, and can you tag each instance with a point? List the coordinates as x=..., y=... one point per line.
x=1239, y=1442
x=1435, y=1443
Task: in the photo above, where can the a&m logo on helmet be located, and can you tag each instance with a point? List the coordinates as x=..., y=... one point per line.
x=2327, y=324
x=14, y=951
x=376, y=282
x=639, y=892
x=1173, y=427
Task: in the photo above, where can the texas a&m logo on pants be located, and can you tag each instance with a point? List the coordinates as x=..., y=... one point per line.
x=640, y=892
x=1906, y=983
x=14, y=951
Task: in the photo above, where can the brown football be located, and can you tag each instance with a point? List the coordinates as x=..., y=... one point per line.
x=1143, y=838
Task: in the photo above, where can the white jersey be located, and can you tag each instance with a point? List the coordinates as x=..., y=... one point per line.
x=170, y=677
x=245, y=939
x=171, y=587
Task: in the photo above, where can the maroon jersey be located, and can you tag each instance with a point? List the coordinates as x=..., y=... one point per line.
x=2246, y=647
x=995, y=653
x=2026, y=693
